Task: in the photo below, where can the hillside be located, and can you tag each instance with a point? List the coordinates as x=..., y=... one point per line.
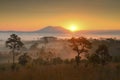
x=51, y=29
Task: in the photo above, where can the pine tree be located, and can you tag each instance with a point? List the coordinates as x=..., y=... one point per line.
x=14, y=43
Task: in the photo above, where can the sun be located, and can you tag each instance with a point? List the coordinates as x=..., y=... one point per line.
x=73, y=28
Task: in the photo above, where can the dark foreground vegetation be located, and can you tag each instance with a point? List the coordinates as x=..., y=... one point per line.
x=62, y=72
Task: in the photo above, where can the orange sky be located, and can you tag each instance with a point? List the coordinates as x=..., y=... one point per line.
x=29, y=15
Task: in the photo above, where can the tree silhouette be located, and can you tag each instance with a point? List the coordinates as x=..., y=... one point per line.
x=103, y=54
x=14, y=43
x=24, y=59
x=92, y=58
x=80, y=45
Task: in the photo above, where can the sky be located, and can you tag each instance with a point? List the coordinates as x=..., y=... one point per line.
x=30, y=15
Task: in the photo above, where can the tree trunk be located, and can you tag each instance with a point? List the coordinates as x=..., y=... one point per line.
x=13, y=65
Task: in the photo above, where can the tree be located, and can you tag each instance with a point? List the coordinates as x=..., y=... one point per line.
x=80, y=45
x=93, y=58
x=24, y=59
x=14, y=43
x=103, y=54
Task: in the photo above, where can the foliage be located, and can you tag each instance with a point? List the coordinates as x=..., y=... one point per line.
x=80, y=45
x=93, y=58
x=103, y=54
x=39, y=61
x=15, y=44
x=24, y=59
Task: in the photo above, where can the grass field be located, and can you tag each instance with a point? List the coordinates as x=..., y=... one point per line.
x=63, y=72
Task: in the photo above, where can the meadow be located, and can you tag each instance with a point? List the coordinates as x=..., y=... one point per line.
x=63, y=72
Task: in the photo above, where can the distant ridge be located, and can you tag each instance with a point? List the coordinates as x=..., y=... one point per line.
x=48, y=29
x=53, y=29
x=61, y=30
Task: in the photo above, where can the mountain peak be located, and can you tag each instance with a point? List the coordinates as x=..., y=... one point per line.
x=53, y=29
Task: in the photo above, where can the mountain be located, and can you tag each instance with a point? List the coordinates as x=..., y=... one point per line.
x=53, y=29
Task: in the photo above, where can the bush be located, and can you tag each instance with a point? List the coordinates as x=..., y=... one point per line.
x=40, y=61
x=24, y=59
x=57, y=60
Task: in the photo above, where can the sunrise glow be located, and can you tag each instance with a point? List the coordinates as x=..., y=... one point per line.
x=31, y=15
x=73, y=28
